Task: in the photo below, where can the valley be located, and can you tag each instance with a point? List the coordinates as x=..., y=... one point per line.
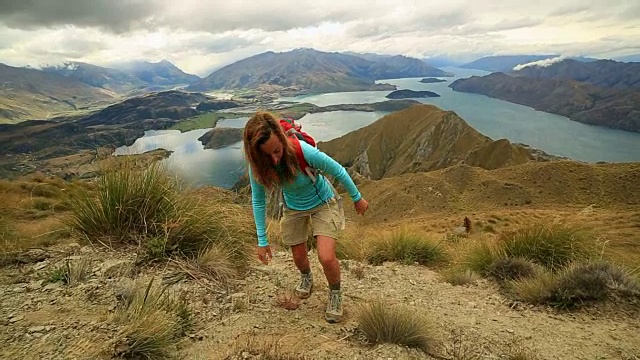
x=494, y=231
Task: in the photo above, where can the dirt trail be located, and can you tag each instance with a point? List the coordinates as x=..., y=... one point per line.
x=53, y=321
x=475, y=317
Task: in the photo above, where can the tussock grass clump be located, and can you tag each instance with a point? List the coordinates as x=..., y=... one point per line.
x=535, y=290
x=217, y=262
x=591, y=282
x=407, y=247
x=503, y=269
x=353, y=244
x=577, y=285
x=400, y=325
x=129, y=203
x=553, y=247
x=459, y=276
x=151, y=320
x=481, y=256
x=148, y=208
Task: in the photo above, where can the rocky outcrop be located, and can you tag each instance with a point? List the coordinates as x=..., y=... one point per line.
x=432, y=80
x=217, y=138
x=408, y=94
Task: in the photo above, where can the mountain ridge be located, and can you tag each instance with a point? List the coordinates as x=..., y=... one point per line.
x=97, y=76
x=604, y=73
x=309, y=70
x=422, y=138
x=582, y=102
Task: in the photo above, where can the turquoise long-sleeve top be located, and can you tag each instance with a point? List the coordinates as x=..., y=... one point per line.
x=302, y=193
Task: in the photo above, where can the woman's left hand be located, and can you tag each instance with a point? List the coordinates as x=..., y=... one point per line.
x=361, y=206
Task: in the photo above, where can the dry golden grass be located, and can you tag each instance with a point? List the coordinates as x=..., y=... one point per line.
x=354, y=242
x=577, y=285
x=31, y=212
x=459, y=276
x=397, y=324
x=406, y=245
x=151, y=321
x=534, y=290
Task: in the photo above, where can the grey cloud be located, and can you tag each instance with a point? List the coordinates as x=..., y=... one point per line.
x=211, y=16
x=499, y=26
x=428, y=22
x=569, y=9
x=216, y=44
x=272, y=16
x=631, y=13
x=116, y=16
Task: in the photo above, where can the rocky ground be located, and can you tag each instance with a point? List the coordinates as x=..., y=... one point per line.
x=41, y=319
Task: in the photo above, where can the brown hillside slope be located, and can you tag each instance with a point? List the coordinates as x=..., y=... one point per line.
x=533, y=185
x=421, y=138
x=33, y=94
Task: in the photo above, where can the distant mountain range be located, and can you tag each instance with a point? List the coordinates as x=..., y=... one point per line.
x=308, y=70
x=605, y=73
x=139, y=76
x=162, y=73
x=506, y=63
x=111, y=79
x=604, y=92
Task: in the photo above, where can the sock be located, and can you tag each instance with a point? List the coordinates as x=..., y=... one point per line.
x=335, y=286
x=306, y=272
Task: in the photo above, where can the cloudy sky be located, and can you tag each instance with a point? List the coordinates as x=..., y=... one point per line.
x=201, y=35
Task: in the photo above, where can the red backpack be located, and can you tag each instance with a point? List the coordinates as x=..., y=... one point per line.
x=295, y=134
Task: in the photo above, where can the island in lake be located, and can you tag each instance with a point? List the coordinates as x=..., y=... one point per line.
x=409, y=94
x=432, y=80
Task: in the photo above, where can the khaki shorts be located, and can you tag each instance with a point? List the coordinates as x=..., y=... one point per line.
x=326, y=219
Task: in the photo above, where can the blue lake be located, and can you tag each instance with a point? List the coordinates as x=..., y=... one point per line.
x=495, y=118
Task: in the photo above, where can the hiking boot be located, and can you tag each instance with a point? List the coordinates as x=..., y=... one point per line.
x=303, y=290
x=333, y=314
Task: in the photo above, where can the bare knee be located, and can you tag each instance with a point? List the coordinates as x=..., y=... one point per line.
x=326, y=251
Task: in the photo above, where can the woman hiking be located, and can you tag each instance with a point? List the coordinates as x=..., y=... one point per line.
x=275, y=162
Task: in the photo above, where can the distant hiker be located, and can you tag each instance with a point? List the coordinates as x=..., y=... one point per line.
x=287, y=163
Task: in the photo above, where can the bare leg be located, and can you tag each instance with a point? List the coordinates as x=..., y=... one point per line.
x=328, y=259
x=300, y=257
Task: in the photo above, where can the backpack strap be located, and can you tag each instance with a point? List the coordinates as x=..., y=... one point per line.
x=304, y=166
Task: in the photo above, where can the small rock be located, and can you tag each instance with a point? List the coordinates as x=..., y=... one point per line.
x=16, y=318
x=86, y=249
x=35, y=329
x=35, y=285
x=40, y=265
x=19, y=289
x=53, y=286
x=239, y=295
x=116, y=268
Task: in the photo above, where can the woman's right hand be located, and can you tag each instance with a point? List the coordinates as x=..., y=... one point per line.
x=264, y=254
